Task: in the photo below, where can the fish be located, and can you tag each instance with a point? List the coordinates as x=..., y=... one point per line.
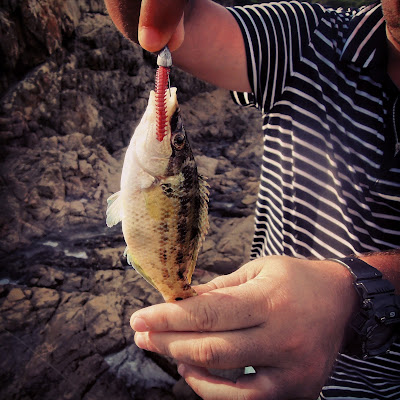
x=163, y=200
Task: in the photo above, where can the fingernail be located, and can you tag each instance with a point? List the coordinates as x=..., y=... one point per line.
x=181, y=369
x=140, y=341
x=139, y=324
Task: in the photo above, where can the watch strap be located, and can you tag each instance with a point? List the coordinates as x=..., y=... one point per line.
x=359, y=268
x=375, y=326
x=368, y=280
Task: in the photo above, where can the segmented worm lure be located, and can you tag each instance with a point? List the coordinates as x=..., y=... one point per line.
x=164, y=62
x=161, y=101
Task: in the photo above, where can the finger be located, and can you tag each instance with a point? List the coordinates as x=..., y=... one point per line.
x=244, y=274
x=266, y=383
x=223, y=309
x=210, y=387
x=177, y=37
x=158, y=22
x=125, y=15
x=222, y=350
x=233, y=279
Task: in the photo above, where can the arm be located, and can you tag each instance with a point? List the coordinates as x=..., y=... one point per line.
x=206, y=40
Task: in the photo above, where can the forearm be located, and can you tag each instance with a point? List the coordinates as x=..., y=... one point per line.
x=213, y=48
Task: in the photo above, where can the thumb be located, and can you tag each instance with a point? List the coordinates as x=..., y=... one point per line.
x=161, y=23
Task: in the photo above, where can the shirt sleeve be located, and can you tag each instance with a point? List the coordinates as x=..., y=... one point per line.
x=275, y=35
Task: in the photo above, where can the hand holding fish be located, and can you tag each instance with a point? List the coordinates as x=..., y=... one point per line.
x=263, y=315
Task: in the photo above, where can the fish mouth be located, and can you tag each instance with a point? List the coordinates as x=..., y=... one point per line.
x=151, y=154
x=167, y=109
x=160, y=146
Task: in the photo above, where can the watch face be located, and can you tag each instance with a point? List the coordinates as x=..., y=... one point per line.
x=378, y=336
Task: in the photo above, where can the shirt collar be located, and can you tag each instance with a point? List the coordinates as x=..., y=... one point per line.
x=365, y=41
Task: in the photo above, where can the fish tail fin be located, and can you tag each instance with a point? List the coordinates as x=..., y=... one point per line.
x=182, y=294
x=114, y=209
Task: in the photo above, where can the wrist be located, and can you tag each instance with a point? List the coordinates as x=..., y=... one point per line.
x=346, y=297
x=341, y=301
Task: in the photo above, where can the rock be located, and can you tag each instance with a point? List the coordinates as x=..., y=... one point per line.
x=85, y=168
x=182, y=390
x=232, y=232
x=110, y=257
x=206, y=166
x=33, y=31
x=137, y=371
x=77, y=208
x=45, y=298
x=15, y=310
x=227, y=246
x=103, y=317
x=15, y=295
x=48, y=277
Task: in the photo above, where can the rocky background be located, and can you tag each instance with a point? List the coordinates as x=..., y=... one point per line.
x=71, y=91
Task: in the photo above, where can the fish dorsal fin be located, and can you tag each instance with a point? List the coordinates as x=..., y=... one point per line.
x=203, y=224
x=114, y=209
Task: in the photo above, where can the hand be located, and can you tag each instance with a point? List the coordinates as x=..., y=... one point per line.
x=204, y=37
x=284, y=316
x=152, y=23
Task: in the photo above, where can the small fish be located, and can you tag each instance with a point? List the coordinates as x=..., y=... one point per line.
x=163, y=201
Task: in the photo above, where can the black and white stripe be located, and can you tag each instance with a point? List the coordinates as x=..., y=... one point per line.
x=330, y=184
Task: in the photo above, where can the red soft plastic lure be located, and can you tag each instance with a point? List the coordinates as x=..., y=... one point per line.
x=161, y=88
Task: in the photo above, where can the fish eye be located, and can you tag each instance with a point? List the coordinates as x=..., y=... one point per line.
x=178, y=141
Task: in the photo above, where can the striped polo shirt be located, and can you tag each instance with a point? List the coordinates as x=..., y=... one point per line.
x=330, y=178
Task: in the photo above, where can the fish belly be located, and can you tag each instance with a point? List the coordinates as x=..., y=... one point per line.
x=159, y=227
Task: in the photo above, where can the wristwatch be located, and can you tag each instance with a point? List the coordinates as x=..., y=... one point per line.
x=376, y=325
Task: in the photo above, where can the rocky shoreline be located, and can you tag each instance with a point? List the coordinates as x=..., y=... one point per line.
x=72, y=91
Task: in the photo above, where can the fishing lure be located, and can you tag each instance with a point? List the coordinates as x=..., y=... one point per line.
x=164, y=62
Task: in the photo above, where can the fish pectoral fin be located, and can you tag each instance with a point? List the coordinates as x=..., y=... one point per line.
x=131, y=261
x=114, y=209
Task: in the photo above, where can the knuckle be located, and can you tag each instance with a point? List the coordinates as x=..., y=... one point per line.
x=207, y=355
x=149, y=345
x=264, y=305
x=164, y=322
x=204, y=318
x=295, y=342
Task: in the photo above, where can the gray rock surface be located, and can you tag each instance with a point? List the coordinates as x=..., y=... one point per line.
x=71, y=91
